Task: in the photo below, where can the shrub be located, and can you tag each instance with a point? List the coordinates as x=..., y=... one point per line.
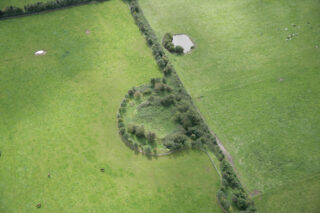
x=120, y=124
x=140, y=131
x=132, y=128
x=122, y=130
x=137, y=95
x=147, y=150
x=222, y=197
x=131, y=92
x=159, y=87
x=167, y=100
x=135, y=146
x=179, y=50
x=196, y=144
x=151, y=136
x=148, y=91
x=176, y=142
x=168, y=70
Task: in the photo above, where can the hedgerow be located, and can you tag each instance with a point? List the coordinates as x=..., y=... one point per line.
x=195, y=132
x=41, y=6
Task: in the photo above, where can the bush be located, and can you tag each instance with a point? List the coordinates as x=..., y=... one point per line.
x=131, y=92
x=159, y=87
x=147, y=150
x=151, y=136
x=179, y=50
x=137, y=95
x=140, y=131
x=176, y=142
x=122, y=130
x=135, y=146
x=148, y=91
x=168, y=70
x=167, y=100
x=167, y=43
x=222, y=197
x=132, y=128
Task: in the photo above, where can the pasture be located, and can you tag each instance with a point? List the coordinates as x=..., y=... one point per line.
x=254, y=75
x=58, y=116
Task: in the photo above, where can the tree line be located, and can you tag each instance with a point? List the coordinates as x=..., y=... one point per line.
x=194, y=127
x=41, y=6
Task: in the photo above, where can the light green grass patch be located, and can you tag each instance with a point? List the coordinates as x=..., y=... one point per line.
x=58, y=115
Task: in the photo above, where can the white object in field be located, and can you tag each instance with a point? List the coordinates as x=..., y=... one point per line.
x=183, y=41
x=40, y=52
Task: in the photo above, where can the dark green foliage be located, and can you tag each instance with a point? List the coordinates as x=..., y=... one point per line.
x=140, y=131
x=167, y=43
x=132, y=128
x=131, y=92
x=222, y=197
x=168, y=70
x=179, y=50
x=151, y=136
x=147, y=150
x=147, y=91
x=137, y=95
x=176, y=142
x=135, y=146
x=188, y=119
x=196, y=144
x=120, y=124
x=122, y=130
x=167, y=100
x=12, y=11
x=41, y=6
x=229, y=177
x=161, y=87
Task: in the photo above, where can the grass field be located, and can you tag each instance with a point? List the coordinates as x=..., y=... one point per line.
x=257, y=90
x=18, y=3
x=58, y=116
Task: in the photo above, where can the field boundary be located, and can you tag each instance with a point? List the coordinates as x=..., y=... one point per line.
x=230, y=184
x=24, y=13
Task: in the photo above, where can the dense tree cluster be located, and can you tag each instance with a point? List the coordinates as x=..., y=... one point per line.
x=41, y=6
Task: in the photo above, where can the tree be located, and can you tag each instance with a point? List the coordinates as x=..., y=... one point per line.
x=147, y=150
x=151, y=136
x=179, y=50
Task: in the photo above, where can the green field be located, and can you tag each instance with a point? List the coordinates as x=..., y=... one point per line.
x=18, y=3
x=58, y=116
x=258, y=91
